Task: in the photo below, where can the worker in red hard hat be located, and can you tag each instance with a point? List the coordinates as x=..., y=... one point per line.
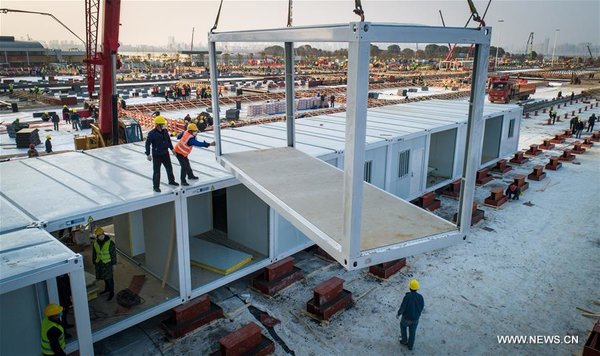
x=32, y=152
x=410, y=309
x=53, y=333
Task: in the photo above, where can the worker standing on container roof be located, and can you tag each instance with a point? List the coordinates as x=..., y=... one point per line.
x=104, y=256
x=410, y=309
x=53, y=334
x=160, y=141
x=48, y=144
x=183, y=148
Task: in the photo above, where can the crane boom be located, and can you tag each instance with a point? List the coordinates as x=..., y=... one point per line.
x=92, y=9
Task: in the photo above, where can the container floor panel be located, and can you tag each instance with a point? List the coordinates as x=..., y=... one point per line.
x=288, y=179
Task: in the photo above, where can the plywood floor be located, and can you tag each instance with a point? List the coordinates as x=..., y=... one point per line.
x=314, y=190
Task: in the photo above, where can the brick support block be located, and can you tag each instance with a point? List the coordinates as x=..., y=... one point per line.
x=587, y=143
x=196, y=314
x=554, y=163
x=519, y=180
x=577, y=148
x=537, y=174
x=533, y=150
x=567, y=156
x=496, y=198
x=452, y=190
x=483, y=177
x=519, y=158
x=387, y=269
x=547, y=145
x=502, y=167
x=242, y=341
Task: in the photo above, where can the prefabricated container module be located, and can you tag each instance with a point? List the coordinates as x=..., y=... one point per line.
x=187, y=242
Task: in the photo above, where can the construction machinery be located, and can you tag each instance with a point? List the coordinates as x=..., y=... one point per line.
x=120, y=130
x=503, y=89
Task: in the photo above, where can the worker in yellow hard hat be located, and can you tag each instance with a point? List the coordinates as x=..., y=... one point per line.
x=75, y=118
x=66, y=114
x=48, y=143
x=104, y=257
x=410, y=309
x=183, y=148
x=158, y=144
x=53, y=333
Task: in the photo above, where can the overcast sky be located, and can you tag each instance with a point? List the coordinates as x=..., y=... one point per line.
x=153, y=21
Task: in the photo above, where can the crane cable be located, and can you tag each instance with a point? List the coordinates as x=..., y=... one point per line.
x=289, y=19
x=5, y=11
x=359, y=10
x=217, y=19
x=475, y=14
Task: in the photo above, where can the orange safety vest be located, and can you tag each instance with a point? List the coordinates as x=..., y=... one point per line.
x=182, y=146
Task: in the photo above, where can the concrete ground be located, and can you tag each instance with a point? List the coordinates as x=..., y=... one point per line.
x=522, y=271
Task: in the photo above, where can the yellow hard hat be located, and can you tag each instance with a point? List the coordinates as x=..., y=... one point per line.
x=52, y=309
x=64, y=106
x=159, y=120
x=413, y=284
x=98, y=231
x=192, y=127
x=46, y=113
x=48, y=136
x=73, y=110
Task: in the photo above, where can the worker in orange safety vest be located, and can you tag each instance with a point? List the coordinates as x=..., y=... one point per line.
x=183, y=148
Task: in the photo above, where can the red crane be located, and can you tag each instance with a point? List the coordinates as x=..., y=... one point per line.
x=106, y=60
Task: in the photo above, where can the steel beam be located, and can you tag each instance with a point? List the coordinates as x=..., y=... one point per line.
x=289, y=93
x=474, y=139
x=81, y=309
x=214, y=85
x=354, y=152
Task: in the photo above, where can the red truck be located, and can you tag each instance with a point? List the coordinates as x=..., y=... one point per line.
x=504, y=89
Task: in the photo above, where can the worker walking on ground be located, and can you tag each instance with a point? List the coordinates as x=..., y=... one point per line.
x=158, y=138
x=55, y=121
x=579, y=125
x=32, y=152
x=410, y=309
x=66, y=114
x=513, y=191
x=183, y=148
x=591, y=122
x=332, y=100
x=104, y=256
x=53, y=334
x=48, y=144
x=573, y=124
x=75, y=120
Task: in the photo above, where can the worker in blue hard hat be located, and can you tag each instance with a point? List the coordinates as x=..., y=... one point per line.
x=410, y=309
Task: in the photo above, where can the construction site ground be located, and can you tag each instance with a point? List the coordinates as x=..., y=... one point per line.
x=523, y=270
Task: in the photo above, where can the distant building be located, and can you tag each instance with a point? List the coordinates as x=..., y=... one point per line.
x=32, y=53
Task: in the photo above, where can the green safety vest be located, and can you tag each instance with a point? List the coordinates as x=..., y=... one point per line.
x=102, y=254
x=48, y=324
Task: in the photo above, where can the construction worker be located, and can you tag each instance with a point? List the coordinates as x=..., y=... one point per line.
x=579, y=125
x=104, y=256
x=513, y=192
x=160, y=141
x=48, y=143
x=66, y=114
x=573, y=124
x=55, y=121
x=45, y=117
x=11, y=88
x=75, y=120
x=591, y=121
x=32, y=152
x=53, y=334
x=187, y=140
x=410, y=309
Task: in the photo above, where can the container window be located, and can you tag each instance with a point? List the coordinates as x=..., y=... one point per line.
x=511, y=128
x=368, y=170
x=403, y=165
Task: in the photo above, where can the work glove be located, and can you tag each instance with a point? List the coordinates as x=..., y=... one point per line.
x=212, y=143
x=149, y=158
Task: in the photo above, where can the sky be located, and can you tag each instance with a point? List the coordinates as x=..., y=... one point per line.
x=153, y=22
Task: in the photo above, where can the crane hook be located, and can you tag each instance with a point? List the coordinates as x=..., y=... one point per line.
x=359, y=10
